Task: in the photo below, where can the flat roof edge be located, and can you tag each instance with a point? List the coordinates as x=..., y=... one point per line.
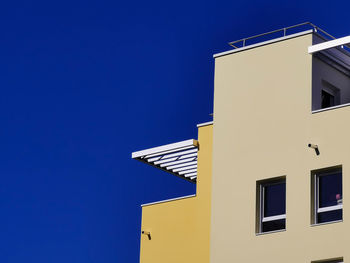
x=263, y=43
x=168, y=200
x=205, y=124
x=329, y=44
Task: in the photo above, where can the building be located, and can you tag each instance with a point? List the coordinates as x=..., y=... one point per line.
x=177, y=230
x=272, y=169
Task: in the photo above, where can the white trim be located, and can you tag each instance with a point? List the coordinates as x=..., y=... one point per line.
x=161, y=162
x=191, y=174
x=329, y=208
x=186, y=156
x=168, y=200
x=178, y=158
x=164, y=148
x=205, y=124
x=263, y=43
x=331, y=108
x=181, y=165
x=329, y=44
x=184, y=169
x=188, y=172
x=270, y=232
x=326, y=223
x=273, y=218
x=172, y=155
x=315, y=201
x=176, y=162
x=169, y=151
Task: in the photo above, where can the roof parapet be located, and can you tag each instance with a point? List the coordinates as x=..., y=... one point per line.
x=285, y=30
x=274, y=36
x=205, y=124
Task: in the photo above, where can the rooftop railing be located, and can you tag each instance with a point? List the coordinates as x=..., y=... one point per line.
x=284, y=32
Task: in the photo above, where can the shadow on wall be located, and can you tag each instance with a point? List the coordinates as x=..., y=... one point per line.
x=330, y=77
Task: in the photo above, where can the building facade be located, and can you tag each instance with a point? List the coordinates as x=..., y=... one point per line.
x=177, y=230
x=273, y=167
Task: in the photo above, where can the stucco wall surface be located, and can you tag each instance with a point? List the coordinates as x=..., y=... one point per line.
x=262, y=125
x=180, y=229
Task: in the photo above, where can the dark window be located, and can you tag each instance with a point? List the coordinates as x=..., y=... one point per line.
x=328, y=201
x=330, y=189
x=272, y=209
x=273, y=225
x=274, y=199
x=329, y=216
x=327, y=100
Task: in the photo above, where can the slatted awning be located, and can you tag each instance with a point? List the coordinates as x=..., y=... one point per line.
x=178, y=158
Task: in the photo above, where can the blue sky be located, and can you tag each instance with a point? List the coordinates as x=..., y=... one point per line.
x=83, y=84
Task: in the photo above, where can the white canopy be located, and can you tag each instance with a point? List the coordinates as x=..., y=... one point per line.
x=178, y=158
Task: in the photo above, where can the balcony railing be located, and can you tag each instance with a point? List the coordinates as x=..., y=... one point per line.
x=282, y=32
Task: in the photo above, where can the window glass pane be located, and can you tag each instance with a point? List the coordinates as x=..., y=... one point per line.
x=327, y=99
x=273, y=225
x=275, y=199
x=330, y=189
x=330, y=216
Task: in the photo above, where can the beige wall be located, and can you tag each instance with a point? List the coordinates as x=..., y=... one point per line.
x=262, y=125
x=180, y=229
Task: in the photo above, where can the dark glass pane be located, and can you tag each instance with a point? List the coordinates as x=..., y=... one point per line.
x=330, y=189
x=330, y=216
x=274, y=225
x=275, y=199
x=327, y=99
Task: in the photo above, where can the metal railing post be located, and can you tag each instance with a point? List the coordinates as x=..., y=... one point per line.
x=314, y=28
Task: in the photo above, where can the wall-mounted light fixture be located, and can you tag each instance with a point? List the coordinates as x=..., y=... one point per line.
x=147, y=233
x=315, y=147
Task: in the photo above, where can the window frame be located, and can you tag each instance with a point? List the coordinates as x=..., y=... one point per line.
x=315, y=204
x=333, y=260
x=333, y=91
x=261, y=201
x=331, y=95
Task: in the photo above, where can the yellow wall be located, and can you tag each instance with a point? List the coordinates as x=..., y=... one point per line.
x=262, y=125
x=180, y=229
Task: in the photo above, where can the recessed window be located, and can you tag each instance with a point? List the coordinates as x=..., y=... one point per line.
x=327, y=100
x=330, y=79
x=330, y=95
x=327, y=201
x=271, y=200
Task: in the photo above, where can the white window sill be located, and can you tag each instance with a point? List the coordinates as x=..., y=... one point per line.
x=327, y=223
x=270, y=232
x=274, y=218
x=330, y=208
x=331, y=108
